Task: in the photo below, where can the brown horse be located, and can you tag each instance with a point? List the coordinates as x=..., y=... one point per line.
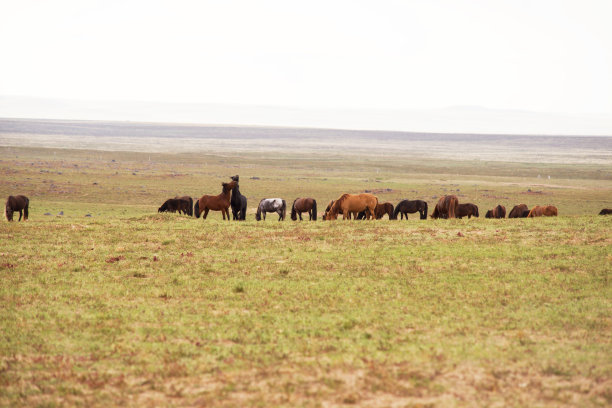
x=467, y=210
x=519, y=211
x=219, y=202
x=329, y=206
x=546, y=211
x=497, y=212
x=17, y=203
x=380, y=211
x=353, y=204
x=605, y=211
x=301, y=205
x=446, y=207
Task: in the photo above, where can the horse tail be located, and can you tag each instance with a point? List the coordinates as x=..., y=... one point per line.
x=243, y=209
x=284, y=209
x=196, y=209
x=25, y=209
x=293, y=212
x=258, y=213
x=424, y=214
x=190, y=210
x=314, y=210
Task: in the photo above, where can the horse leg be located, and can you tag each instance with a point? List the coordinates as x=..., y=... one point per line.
x=20, y=214
x=205, y=213
x=300, y=214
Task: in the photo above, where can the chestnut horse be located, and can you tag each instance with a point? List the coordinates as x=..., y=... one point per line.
x=406, y=206
x=353, y=204
x=301, y=205
x=379, y=212
x=219, y=202
x=497, y=212
x=446, y=207
x=546, y=211
x=17, y=203
x=519, y=211
x=467, y=210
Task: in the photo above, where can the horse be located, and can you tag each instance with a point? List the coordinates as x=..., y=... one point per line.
x=468, y=209
x=605, y=211
x=277, y=205
x=19, y=203
x=353, y=204
x=329, y=206
x=300, y=205
x=406, y=206
x=546, y=211
x=446, y=207
x=219, y=202
x=379, y=212
x=185, y=205
x=519, y=211
x=497, y=212
x=238, y=202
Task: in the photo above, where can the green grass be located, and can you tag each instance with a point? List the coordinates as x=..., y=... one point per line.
x=131, y=307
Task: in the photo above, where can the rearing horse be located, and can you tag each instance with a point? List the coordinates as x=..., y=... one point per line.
x=220, y=202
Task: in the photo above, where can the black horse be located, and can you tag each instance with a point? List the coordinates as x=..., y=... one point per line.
x=406, y=206
x=17, y=203
x=238, y=202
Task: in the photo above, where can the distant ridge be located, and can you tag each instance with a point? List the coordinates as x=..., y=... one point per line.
x=453, y=120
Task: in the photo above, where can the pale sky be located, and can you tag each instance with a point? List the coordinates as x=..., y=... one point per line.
x=544, y=56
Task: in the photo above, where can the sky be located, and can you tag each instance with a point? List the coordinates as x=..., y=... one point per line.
x=551, y=56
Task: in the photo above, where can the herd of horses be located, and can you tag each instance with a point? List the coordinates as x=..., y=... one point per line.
x=350, y=206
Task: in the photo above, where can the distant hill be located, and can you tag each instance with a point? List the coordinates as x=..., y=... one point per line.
x=449, y=120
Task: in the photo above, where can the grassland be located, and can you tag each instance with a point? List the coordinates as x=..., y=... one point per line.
x=114, y=304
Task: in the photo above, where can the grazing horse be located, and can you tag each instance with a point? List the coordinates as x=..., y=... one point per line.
x=467, y=209
x=219, y=202
x=519, y=211
x=328, y=208
x=181, y=204
x=497, y=212
x=301, y=205
x=185, y=205
x=446, y=207
x=546, y=211
x=17, y=203
x=379, y=212
x=406, y=206
x=353, y=204
x=238, y=202
x=605, y=211
x=277, y=205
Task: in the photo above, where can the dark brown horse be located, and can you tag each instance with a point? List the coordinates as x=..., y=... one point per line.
x=219, y=202
x=446, y=207
x=17, y=203
x=380, y=211
x=181, y=204
x=545, y=211
x=304, y=205
x=407, y=206
x=605, y=211
x=497, y=212
x=353, y=204
x=467, y=210
x=519, y=211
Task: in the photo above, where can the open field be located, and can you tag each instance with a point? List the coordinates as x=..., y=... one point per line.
x=114, y=304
